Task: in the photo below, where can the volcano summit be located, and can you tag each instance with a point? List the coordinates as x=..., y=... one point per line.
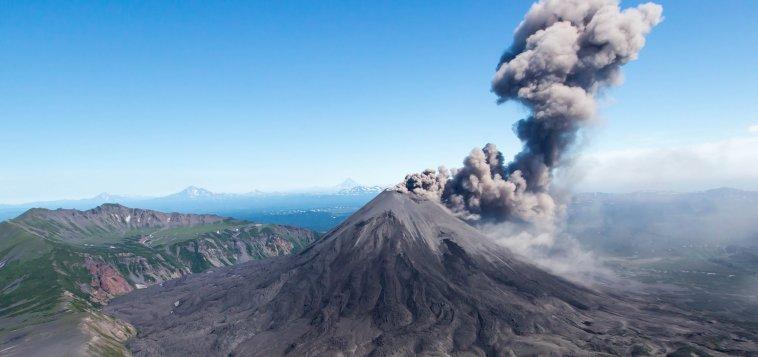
x=404, y=276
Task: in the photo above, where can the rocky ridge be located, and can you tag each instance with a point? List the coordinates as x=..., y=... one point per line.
x=58, y=267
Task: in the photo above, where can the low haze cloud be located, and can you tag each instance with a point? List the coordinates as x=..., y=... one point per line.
x=551, y=249
x=730, y=162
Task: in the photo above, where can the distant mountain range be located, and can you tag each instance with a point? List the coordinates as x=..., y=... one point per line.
x=348, y=195
x=661, y=219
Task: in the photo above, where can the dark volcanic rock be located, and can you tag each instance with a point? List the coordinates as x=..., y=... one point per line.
x=403, y=276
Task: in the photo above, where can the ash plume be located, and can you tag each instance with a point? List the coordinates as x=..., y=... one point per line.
x=564, y=53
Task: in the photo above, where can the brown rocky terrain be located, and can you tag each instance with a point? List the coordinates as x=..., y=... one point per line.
x=106, y=281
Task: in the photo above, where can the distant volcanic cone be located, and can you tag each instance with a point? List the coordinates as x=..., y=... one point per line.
x=402, y=276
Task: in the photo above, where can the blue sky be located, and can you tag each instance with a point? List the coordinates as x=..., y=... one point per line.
x=150, y=97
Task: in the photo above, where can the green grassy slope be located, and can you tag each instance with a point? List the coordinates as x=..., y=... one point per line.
x=54, y=276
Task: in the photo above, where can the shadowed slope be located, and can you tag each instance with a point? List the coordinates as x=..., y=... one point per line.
x=401, y=276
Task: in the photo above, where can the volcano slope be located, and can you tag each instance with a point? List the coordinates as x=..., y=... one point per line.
x=403, y=276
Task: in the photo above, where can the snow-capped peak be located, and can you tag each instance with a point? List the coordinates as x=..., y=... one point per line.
x=105, y=197
x=347, y=184
x=195, y=192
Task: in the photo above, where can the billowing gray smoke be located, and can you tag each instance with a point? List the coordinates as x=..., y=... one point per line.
x=563, y=54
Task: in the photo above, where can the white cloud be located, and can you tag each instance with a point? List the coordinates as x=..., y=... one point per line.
x=753, y=129
x=732, y=162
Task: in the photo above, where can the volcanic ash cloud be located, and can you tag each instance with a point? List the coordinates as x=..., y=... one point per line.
x=563, y=54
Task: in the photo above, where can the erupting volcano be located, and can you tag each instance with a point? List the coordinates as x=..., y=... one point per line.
x=402, y=276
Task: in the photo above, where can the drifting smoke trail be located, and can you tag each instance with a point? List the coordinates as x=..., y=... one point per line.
x=563, y=54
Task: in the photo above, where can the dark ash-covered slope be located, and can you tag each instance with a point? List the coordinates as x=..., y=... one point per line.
x=401, y=276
